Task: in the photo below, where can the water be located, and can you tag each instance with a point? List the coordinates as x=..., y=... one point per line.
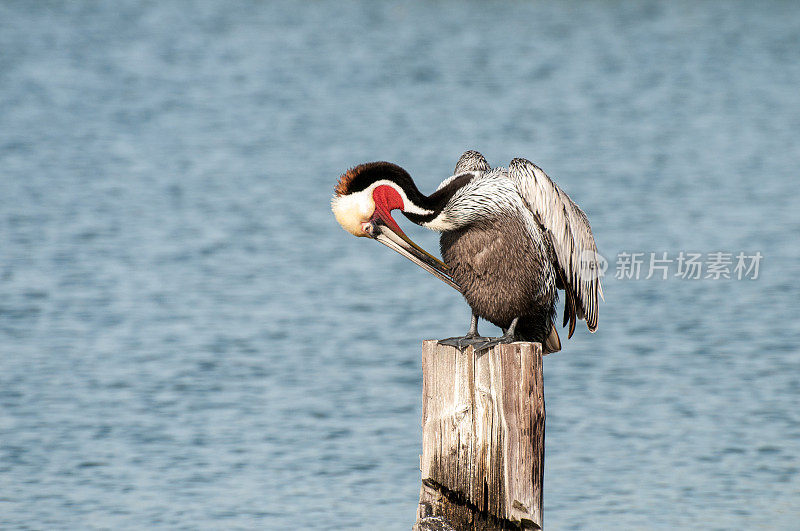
x=190, y=341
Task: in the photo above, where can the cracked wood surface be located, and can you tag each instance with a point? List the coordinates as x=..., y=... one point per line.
x=483, y=419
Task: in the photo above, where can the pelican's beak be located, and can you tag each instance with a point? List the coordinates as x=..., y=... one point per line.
x=388, y=233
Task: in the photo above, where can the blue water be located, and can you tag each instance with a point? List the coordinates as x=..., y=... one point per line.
x=189, y=340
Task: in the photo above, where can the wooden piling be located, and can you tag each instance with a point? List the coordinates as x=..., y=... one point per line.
x=483, y=420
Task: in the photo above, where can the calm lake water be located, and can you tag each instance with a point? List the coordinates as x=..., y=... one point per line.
x=189, y=340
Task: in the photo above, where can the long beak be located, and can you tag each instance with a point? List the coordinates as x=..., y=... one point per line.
x=397, y=240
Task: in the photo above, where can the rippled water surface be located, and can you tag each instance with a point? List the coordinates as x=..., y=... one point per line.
x=188, y=340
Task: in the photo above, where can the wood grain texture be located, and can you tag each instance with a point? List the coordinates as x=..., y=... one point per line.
x=483, y=436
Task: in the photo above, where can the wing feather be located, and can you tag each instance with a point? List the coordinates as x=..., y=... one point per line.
x=571, y=237
x=471, y=160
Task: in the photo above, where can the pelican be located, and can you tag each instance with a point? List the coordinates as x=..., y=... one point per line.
x=510, y=238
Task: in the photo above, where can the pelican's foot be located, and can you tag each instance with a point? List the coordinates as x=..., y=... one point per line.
x=463, y=342
x=493, y=342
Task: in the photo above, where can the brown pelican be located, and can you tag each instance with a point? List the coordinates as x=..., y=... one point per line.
x=509, y=239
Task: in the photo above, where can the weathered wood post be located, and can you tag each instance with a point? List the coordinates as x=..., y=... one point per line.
x=483, y=419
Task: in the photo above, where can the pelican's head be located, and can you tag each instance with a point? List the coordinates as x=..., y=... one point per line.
x=363, y=201
x=368, y=193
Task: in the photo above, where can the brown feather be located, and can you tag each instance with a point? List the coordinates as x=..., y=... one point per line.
x=572, y=322
x=343, y=186
x=553, y=342
x=570, y=302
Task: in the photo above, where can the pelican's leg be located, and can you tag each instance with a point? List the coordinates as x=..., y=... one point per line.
x=471, y=338
x=507, y=337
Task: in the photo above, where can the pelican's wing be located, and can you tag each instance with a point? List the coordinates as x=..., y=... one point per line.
x=471, y=161
x=571, y=238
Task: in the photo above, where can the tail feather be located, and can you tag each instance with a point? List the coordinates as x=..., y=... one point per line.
x=553, y=342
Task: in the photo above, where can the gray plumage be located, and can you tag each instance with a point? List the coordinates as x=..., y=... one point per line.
x=471, y=161
x=503, y=273
x=511, y=237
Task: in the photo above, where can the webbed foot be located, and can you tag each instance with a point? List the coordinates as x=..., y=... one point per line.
x=463, y=342
x=472, y=337
x=509, y=336
x=493, y=342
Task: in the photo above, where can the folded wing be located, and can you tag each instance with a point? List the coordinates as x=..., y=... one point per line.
x=471, y=161
x=570, y=237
